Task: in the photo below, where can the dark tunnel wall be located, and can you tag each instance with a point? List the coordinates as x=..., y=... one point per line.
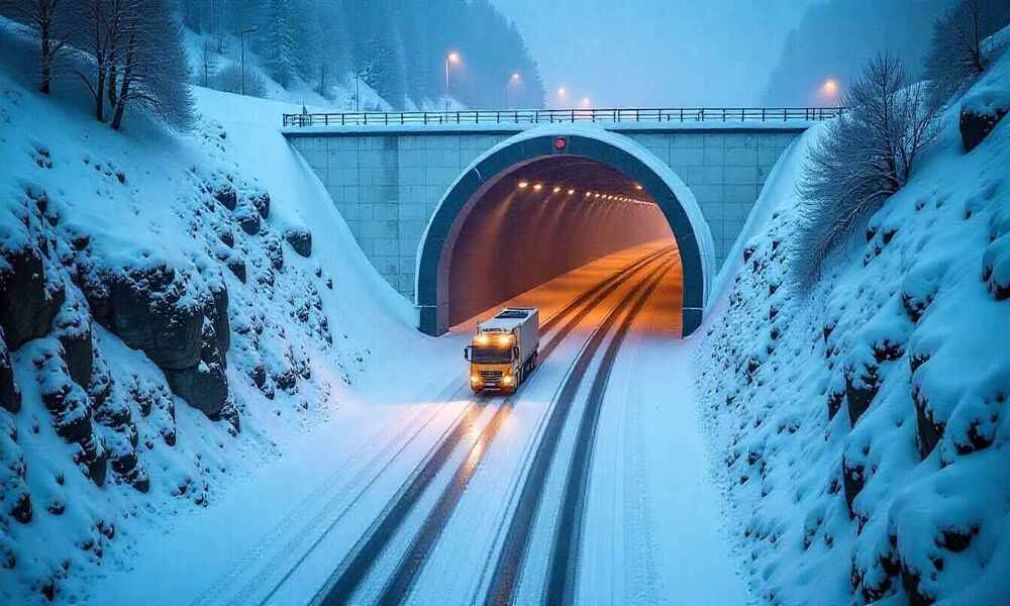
x=514, y=240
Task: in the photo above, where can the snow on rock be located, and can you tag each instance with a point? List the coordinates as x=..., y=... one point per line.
x=862, y=427
x=154, y=336
x=979, y=114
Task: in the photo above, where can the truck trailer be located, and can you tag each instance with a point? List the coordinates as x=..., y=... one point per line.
x=504, y=350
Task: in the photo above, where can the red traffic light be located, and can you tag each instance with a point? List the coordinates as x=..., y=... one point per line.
x=560, y=143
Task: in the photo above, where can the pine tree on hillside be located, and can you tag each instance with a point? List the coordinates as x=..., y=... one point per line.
x=278, y=40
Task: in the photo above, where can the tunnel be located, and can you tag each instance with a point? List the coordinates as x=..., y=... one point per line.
x=545, y=202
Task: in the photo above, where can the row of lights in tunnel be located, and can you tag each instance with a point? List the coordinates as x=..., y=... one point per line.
x=557, y=189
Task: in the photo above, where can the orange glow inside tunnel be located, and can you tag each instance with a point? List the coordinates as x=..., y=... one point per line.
x=528, y=229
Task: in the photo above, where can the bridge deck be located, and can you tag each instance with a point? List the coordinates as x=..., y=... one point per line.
x=527, y=117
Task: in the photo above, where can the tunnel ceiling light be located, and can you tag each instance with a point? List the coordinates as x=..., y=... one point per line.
x=557, y=189
x=638, y=187
x=571, y=191
x=523, y=185
x=538, y=187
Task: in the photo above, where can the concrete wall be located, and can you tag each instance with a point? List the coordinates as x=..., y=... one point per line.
x=386, y=184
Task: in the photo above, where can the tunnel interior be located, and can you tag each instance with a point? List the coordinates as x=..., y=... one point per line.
x=539, y=220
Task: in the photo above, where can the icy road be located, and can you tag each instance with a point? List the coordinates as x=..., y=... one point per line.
x=589, y=485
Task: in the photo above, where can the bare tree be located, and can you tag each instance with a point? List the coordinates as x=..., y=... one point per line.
x=50, y=19
x=207, y=61
x=154, y=68
x=100, y=22
x=864, y=157
x=957, y=54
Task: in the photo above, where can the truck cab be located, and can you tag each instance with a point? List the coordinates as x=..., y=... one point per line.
x=504, y=350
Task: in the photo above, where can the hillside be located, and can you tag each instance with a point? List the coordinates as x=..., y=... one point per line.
x=862, y=429
x=221, y=238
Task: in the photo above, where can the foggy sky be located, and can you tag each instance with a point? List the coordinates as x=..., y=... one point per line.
x=655, y=52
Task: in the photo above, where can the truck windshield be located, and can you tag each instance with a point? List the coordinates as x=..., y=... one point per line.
x=491, y=355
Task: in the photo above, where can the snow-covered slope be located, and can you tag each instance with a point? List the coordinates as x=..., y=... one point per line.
x=862, y=428
x=222, y=238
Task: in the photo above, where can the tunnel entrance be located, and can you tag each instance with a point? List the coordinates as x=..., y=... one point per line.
x=540, y=221
x=545, y=202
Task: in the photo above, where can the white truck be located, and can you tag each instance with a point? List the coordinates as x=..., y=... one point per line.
x=504, y=350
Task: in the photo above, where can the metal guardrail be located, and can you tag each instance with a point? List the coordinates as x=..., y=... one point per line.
x=539, y=116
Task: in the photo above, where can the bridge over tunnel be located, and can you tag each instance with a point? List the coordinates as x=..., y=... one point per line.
x=545, y=202
x=436, y=203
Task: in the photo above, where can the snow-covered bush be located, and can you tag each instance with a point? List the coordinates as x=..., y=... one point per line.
x=863, y=158
x=958, y=52
x=229, y=79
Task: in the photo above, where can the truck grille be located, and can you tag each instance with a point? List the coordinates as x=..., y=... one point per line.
x=490, y=375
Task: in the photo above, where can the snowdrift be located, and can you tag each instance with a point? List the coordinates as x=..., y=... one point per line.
x=174, y=309
x=862, y=428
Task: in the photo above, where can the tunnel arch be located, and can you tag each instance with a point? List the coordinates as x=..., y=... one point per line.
x=667, y=190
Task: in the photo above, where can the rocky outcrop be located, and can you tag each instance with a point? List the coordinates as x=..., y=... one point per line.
x=248, y=219
x=10, y=393
x=70, y=407
x=300, y=240
x=72, y=327
x=204, y=385
x=979, y=115
x=260, y=200
x=28, y=299
x=178, y=322
x=226, y=196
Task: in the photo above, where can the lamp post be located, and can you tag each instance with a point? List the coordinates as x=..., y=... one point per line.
x=515, y=79
x=452, y=57
x=242, y=34
x=562, y=94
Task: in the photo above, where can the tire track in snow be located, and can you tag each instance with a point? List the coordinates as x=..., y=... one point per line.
x=341, y=586
x=562, y=576
x=399, y=586
x=505, y=579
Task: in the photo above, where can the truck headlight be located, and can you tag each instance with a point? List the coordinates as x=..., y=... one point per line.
x=475, y=379
x=507, y=380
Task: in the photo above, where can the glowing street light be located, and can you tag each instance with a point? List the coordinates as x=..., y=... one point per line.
x=571, y=191
x=514, y=80
x=451, y=58
x=830, y=89
x=562, y=96
x=557, y=189
x=538, y=187
x=585, y=103
x=523, y=185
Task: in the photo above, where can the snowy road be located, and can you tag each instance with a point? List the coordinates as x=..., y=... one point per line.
x=589, y=485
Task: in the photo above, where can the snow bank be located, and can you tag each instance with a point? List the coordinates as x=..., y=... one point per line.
x=223, y=234
x=862, y=427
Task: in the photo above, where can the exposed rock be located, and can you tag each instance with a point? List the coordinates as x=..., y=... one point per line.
x=10, y=393
x=860, y=390
x=996, y=267
x=261, y=202
x=226, y=196
x=979, y=115
x=28, y=301
x=928, y=430
x=248, y=219
x=218, y=315
x=70, y=408
x=853, y=479
x=72, y=326
x=21, y=505
x=300, y=240
x=151, y=309
x=275, y=252
x=237, y=267
x=204, y=386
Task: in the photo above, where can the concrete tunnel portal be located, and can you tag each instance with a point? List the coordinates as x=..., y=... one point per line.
x=545, y=202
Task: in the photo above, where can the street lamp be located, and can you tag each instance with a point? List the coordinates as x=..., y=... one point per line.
x=829, y=90
x=453, y=58
x=515, y=79
x=242, y=34
x=585, y=103
x=562, y=94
